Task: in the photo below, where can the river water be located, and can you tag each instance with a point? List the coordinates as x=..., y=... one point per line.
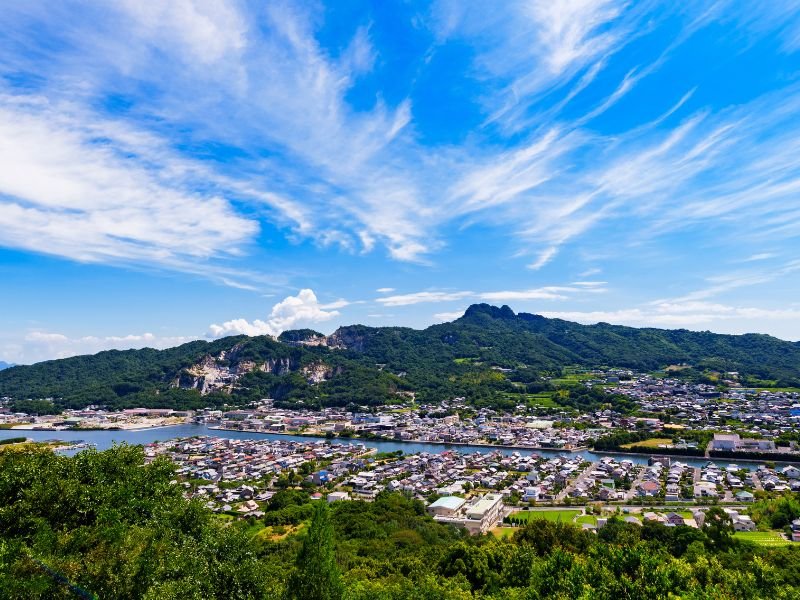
x=106, y=439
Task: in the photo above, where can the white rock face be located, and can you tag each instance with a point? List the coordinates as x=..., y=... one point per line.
x=222, y=372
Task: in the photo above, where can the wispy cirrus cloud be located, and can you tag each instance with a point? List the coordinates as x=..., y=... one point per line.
x=693, y=315
x=291, y=121
x=96, y=191
x=553, y=292
x=256, y=82
x=532, y=48
x=422, y=298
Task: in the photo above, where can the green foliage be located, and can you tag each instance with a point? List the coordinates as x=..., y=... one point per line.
x=616, y=440
x=317, y=574
x=14, y=440
x=776, y=513
x=116, y=528
x=35, y=407
x=288, y=507
x=106, y=523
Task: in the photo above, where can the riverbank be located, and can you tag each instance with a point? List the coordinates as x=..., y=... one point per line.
x=411, y=441
x=656, y=454
x=122, y=427
x=106, y=439
x=714, y=459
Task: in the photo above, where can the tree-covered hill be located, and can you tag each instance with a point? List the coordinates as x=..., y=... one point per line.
x=486, y=353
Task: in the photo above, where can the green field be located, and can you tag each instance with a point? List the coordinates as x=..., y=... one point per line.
x=762, y=538
x=503, y=532
x=572, y=379
x=592, y=519
x=565, y=516
x=544, y=399
x=465, y=360
x=652, y=443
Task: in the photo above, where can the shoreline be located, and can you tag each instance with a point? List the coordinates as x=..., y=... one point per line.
x=89, y=429
x=655, y=454
x=414, y=441
x=729, y=460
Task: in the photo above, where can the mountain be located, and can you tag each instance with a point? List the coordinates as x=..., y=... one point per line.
x=5, y=365
x=486, y=355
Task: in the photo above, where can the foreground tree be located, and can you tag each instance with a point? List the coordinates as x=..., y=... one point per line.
x=317, y=574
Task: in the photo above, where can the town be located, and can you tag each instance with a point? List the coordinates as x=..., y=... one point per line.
x=693, y=446
x=480, y=492
x=673, y=410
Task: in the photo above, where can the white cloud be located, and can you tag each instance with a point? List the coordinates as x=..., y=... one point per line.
x=289, y=94
x=286, y=314
x=207, y=31
x=340, y=303
x=93, y=191
x=544, y=257
x=422, y=297
x=361, y=179
x=37, y=345
x=385, y=290
x=539, y=45
x=760, y=256
x=519, y=295
x=694, y=315
x=552, y=292
x=449, y=316
x=726, y=282
x=40, y=345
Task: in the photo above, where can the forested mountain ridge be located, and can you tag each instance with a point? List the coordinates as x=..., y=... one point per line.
x=486, y=352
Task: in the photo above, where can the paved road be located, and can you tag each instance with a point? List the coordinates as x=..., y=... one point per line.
x=756, y=482
x=631, y=493
x=575, y=482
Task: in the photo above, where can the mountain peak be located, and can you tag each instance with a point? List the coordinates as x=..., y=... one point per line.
x=504, y=312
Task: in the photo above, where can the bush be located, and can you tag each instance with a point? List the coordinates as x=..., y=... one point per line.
x=14, y=440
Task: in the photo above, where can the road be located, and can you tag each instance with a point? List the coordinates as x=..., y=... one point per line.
x=631, y=493
x=575, y=482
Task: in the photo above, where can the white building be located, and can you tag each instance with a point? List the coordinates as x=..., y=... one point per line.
x=485, y=513
x=476, y=517
x=446, y=506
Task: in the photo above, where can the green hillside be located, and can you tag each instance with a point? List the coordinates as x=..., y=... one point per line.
x=484, y=356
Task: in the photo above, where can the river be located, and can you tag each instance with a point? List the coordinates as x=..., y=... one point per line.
x=106, y=439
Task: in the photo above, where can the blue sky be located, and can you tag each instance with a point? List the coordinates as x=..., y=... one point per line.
x=190, y=169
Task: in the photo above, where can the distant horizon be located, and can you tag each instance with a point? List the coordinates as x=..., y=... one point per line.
x=189, y=170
